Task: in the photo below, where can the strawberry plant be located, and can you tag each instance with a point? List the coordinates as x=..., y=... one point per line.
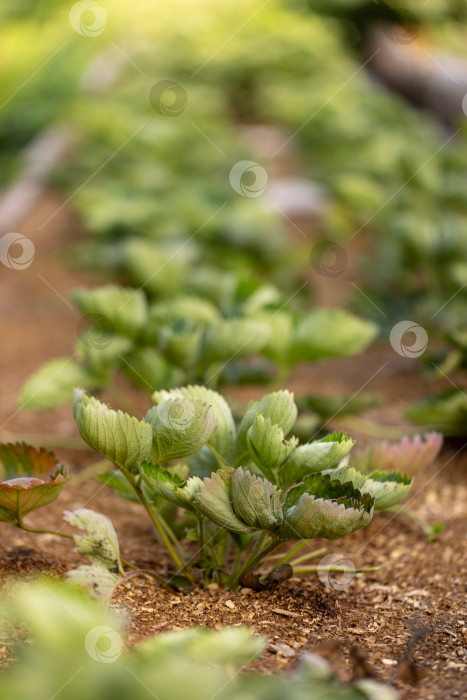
x=239, y=491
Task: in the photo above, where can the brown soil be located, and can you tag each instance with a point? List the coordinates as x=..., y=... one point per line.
x=407, y=621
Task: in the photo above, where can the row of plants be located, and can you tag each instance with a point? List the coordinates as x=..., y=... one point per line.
x=147, y=215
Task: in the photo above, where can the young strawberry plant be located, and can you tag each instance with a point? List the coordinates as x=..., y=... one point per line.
x=239, y=491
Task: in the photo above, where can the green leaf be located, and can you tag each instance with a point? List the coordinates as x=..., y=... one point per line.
x=331, y=333
x=54, y=382
x=124, y=308
x=267, y=446
x=387, y=488
x=148, y=369
x=104, y=352
x=180, y=427
x=33, y=480
x=315, y=457
x=99, y=543
x=278, y=406
x=281, y=337
x=170, y=485
x=446, y=412
x=323, y=507
x=161, y=270
x=121, y=438
x=327, y=406
x=232, y=647
x=224, y=437
x=197, y=310
x=256, y=501
x=214, y=500
x=181, y=347
x=98, y=581
x=233, y=338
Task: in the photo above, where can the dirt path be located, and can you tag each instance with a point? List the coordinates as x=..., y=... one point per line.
x=412, y=611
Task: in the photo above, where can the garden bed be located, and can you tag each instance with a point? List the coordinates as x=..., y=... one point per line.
x=406, y=621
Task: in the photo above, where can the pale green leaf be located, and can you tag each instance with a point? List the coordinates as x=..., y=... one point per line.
x=214, y=500
x=223, y=439
x=256, y=501
x=99, y=543
x=180, y=427
x=323, y=507
x=169, y=484
x=315, y=456
x=233, y=338
x=278, y=406
x=121, y=438
x=125, y=309
x=53, y=383
x=98, y=581
x=331, y=333
x=267, y=446
x=387, y=488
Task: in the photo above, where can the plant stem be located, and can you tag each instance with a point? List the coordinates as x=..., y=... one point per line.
x=129, y=566
x=220, y=461
x=283, y=558
x=428, y=529
x=157, y=523
x=310, y=555
x=256, y=555
x=336, y=569
x=44, y=532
